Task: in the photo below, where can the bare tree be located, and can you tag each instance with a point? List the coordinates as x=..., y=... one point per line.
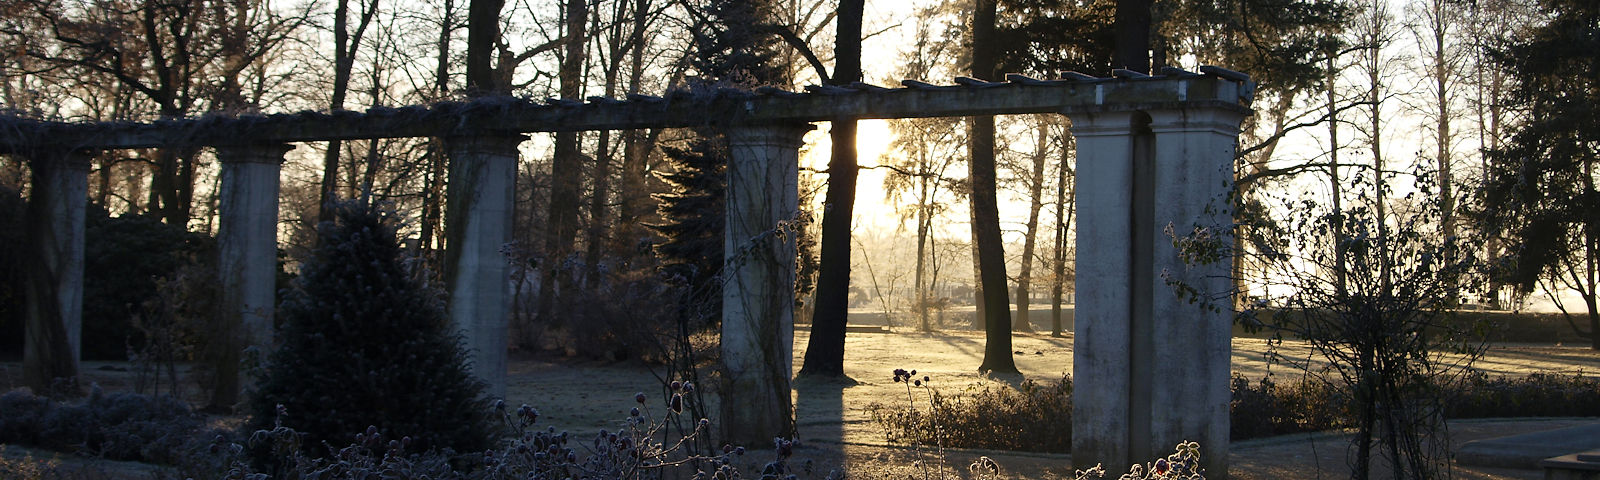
x=345, y=44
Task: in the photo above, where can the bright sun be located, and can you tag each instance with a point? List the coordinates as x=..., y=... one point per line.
x=873, y=137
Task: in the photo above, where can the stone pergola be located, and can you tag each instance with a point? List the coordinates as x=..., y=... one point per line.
x=1155, y=155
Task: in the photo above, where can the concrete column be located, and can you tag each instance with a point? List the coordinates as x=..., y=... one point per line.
x=758, y=283
x=247, y=246
x=1151, y=367
x=1101, y=338
x=53, y=344
x=482, y=196
x=1194, y=151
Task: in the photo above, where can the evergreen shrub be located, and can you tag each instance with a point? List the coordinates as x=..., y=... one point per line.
x=366, y=343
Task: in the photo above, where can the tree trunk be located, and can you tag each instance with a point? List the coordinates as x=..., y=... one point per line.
x=634, y=199
x=1023, y=322
x=924, y=223
x=1132, y=25
x=345, y=45
x=433, y=189
x=985, y=206
x=825, y=349
x=566, y=165
x=483, y=31
x=979, y=309
x=1063, y=225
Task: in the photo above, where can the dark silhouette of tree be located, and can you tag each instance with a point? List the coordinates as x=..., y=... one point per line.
x=985, y=206
x=345, y=44
x=176, y=57
x=691, y=248
x=364, y=343
x=825, y=350
x=1133, y=35
x=1539, y=194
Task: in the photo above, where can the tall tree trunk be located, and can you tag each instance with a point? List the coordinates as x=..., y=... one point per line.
x=345, y=45
x=483, y=33
x=1132, y=25
x=985, y=205
x=825, y=350
x=1377, y=30
x=617, y=48
x=924, y=224
x=1335, y=185
x=980, y=309
x=1440, y=17
x=633, y=197
x=566, y=166
x=1024, y=322
x=1064, y=210
x=433, y=188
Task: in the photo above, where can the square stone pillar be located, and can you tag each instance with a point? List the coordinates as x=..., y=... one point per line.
x=1151, y=367
x=52, y=345
x=758, y=283
x=1103, y=319
x=247, y=264
x=481, y=200
x=1193, y=177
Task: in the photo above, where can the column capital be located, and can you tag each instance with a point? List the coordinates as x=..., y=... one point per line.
x=490, y=143
x=1222, y=121
x=257, y=153
x=785, y=135
x=1107, y=123
x=70, y=159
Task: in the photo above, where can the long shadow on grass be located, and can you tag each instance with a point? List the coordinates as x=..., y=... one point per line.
x=960, y=343
x=819, y=413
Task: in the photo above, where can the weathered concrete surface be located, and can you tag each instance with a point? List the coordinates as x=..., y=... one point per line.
x=482, y=193
x=54, y=337
x=677, y=109
x=1101, y=340
x=1151, y=367
x=247, y=264
x=758, y=283
x=1191, y=341
x=1573, y=466
x=1529, y=449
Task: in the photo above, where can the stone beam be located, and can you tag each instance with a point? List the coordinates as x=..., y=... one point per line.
x=247, y=262
x=506, y=115
x=481, y=197
x=758, y=283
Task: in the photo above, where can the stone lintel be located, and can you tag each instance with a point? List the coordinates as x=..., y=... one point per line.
x=725, y=108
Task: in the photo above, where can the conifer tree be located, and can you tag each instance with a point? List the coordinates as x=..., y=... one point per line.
x=692, y=249
x=365, y=344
